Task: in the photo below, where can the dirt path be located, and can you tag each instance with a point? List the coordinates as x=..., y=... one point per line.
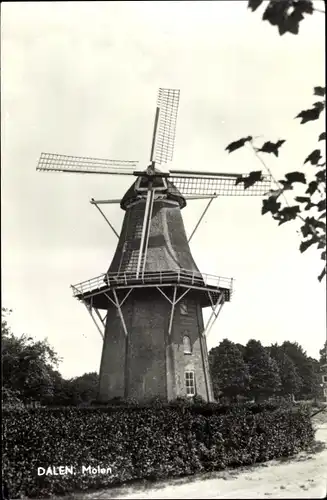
x=302, y=477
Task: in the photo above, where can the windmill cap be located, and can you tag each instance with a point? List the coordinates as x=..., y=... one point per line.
x=171, y=192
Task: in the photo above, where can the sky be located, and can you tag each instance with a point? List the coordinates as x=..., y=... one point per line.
x=81, y=78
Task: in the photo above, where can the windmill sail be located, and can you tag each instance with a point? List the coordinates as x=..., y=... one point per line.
x=217, y=185
x=165, y=126
x=84, y=165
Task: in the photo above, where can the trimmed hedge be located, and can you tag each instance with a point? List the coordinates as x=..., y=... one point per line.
x=143, y=443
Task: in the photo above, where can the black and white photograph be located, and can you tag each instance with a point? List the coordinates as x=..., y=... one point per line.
x=163, y=229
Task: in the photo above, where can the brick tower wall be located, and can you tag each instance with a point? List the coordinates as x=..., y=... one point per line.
x=191, y=325
x=150, y=362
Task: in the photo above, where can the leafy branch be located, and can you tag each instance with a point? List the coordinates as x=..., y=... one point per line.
x=310, y=208
x=286, y=15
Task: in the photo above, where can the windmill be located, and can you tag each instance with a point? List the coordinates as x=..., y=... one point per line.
x=148, y=305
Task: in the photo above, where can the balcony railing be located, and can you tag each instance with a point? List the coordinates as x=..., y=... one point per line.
x=192, y=278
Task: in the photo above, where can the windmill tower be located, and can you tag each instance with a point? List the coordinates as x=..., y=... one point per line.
x=148, y=305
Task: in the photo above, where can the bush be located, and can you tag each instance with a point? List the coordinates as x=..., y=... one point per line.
x=11, y=400
x=143, y=442
x=181, y=401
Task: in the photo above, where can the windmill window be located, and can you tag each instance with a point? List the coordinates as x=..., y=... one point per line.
x=190, y=383
x=187, y=345
x=183, y=308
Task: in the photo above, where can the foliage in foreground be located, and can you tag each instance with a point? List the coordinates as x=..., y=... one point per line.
x=310, y=203
x=286, y=15
x=143, y=443
x=310, y=207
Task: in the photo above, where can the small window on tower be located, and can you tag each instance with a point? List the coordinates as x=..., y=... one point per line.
x=190, y=383
x=187, y=345
x=183, y=308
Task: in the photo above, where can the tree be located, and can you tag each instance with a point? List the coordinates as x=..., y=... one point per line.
x=26, y=364
x=289, y=377
x=323, y=354
x=307, y=368
x=263, y=370
x=84, y=389
x=308, y=206
x=62, y=392
x=228, y=370
x=29, y=373
x=75, y=391
x=316, y=389
x=241, y=348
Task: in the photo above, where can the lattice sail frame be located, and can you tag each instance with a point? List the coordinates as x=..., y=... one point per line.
x=218, y=185
x=167, y=103
x=84, y=165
